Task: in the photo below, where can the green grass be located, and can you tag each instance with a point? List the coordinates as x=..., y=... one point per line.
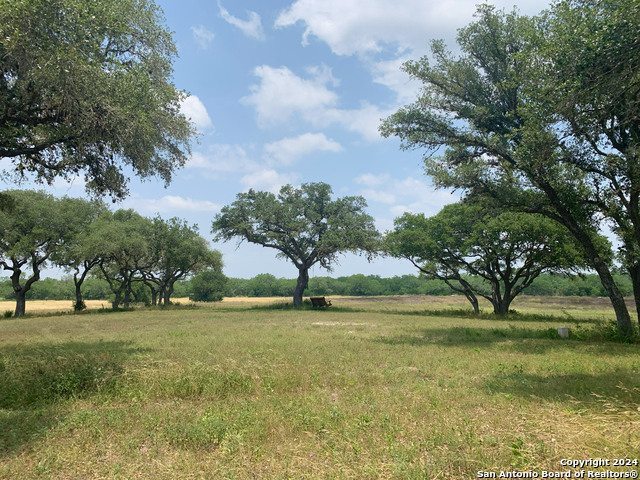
x=283, y=393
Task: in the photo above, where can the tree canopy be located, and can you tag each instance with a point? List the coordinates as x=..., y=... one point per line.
x=303, y=224
x=86, y=88
x=508, y=250
x=176, y=250
x=30, y=232
x=498, y=108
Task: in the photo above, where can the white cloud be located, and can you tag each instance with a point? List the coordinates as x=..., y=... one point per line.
x=363, y=26
x=194, y=110
x=371, y=180
x=221, y=158
x=364, y=120
x=376, y=196
x=288, y=150
x=268, y=180
x=411, y=194
x=282, y=96
x=202, y=36
x=251, y=27
x=398, y=210
x=388, y=73
x=171, y=203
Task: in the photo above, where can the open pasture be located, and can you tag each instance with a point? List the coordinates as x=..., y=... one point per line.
x=568, y=307
x=238, y=390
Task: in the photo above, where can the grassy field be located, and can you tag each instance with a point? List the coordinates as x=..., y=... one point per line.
x=368, y=389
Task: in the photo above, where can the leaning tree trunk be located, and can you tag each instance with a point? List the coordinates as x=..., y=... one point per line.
x=617, y=300
x=80, y=305
x=613, y=292
x=634, y=271
x=301, y=285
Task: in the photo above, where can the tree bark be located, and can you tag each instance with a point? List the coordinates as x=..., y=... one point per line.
x=118, y=298
x=617, y=300
x=167, y=293
x=20, y=303
x=21, y=290
x=78, y=283
x=634, y=271
x=565, y=218
x=501, y=303
x=301, y=285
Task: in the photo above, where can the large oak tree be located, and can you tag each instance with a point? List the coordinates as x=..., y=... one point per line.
x=85, y=88
x=508, y=250
x=507, y=131
x=303, y=224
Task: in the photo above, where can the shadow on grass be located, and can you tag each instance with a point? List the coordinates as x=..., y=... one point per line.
x=19, y=428
x=513, y=335
x=37, y=375
x=611, y=392
x=35, y=378
x=513, y=316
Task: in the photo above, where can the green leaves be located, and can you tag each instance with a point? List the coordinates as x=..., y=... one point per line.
x=303, y=224
x=86, y=88
x=506, y=249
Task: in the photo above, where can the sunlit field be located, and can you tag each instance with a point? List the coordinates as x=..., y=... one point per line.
x=369, y=388
x=561, y=306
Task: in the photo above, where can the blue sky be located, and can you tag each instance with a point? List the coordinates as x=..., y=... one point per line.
x=293, y=92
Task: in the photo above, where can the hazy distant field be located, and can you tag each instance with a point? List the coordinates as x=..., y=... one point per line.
x=562, y=306
x=370, y=391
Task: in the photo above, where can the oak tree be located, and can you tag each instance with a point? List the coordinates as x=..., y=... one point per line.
x=303, y=224
x=508, y=250
x=507, y=133
x=85, y=88
x=30, y=232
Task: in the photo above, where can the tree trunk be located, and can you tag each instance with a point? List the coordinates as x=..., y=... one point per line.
x=154, y=297
x=301, y=285
x=617, y=300
x=565, y=218
x=167, y=294
x=21, y=290
x=635, y=281
x=118, y=298
x=161, y=294
x=80, y=305
x=20, y=303
x=474, y=302
x=501, y=303
x=127, y=291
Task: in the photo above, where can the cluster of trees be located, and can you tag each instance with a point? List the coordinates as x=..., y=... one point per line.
x=541, y=114
x=507, y=250
x=122, y=248
x=537, y=120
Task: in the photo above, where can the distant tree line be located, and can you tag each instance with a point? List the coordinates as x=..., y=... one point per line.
x=267, y=285
x=139, y=259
